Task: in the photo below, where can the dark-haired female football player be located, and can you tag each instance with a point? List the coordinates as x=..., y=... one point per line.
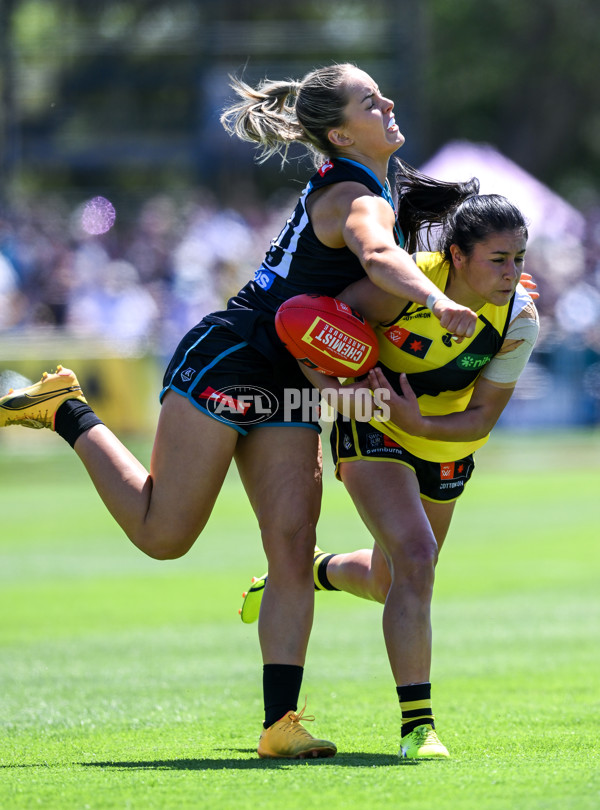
x=405, y=474
x=343, y=229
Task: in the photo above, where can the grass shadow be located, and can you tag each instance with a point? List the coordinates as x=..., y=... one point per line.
x=357, y=759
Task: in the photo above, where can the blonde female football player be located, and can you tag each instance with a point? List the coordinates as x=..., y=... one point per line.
x=444, y=397
x=343, y=229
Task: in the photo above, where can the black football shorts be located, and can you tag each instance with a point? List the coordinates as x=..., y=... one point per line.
x=222, y=375
x=438, y=482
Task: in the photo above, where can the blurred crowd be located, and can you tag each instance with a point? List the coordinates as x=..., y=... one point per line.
x=146, y=280
x=149, y=279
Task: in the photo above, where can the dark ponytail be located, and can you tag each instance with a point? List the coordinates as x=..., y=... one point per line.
x=424, y=202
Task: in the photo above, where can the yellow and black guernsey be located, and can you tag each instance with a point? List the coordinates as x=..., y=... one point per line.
x=441, y=372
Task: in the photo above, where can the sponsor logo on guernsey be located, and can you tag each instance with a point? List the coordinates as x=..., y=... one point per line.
x=473, y=361
x=264, y=278
x=409, y=342
x=327, y=166
x=336, y=343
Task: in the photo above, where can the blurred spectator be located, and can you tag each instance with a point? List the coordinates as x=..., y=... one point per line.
x=10, y=296
x=117, y=306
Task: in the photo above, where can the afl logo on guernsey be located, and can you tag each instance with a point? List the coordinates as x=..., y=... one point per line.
x=325, y=168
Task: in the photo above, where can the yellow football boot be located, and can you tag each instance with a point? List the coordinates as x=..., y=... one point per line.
x=288, y=739
x=422, y=743
x=35, y=406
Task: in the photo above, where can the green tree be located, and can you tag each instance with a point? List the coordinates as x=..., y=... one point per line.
x=523, y=76
x=125, y=93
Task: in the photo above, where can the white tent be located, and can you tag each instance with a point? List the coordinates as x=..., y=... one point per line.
x=548, y=215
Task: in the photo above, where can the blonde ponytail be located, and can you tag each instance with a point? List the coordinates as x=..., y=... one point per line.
x=265, y=115
x=276, y=114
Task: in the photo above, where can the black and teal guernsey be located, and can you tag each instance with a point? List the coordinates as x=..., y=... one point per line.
x=297, y=262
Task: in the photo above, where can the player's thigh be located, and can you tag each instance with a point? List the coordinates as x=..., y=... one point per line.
x=386, y=495
x=190, y=458
x=281, y=469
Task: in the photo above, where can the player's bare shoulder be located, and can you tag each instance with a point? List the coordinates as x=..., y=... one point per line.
x=329, y=209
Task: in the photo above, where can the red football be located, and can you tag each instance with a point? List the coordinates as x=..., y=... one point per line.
x=328, y=335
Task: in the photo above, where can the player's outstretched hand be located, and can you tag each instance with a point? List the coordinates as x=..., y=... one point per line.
x=404, y=410
x=529, y=284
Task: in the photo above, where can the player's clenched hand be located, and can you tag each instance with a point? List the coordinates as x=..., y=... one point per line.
x=456, y=319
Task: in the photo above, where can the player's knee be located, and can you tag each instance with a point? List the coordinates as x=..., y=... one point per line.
x=164, y=546
x=416, y=565
x=290, y=546
x=166, y=552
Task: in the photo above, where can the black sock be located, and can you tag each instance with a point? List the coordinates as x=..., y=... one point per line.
x=281, y=688
x=73, y=418
x=415, y=703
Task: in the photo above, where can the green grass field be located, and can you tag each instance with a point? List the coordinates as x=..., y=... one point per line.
x=131, y=683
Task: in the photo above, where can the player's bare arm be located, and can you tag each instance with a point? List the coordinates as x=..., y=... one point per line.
x=364, y=222
x=475, y=422
x=373, y=303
